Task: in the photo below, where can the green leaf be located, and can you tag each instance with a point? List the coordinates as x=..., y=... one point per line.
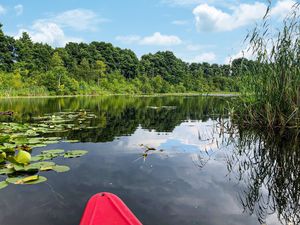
x=61, y=169
x=20, y=140
x=36, y=158
x=37, y=145
x=54, y=151
x=3, y=184
x=23, y=157
x=40, y=180
x=71, y=141
x=75, y=153
x=19, y=167
x=31, y=133
x=35, y=179
x=32, y=167
x=42, y=164
x=4, y=171
x=27, y=179
x=4, y=138
x=12, y=180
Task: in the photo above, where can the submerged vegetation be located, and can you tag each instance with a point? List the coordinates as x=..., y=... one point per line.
x=272, y=92
x=18, y=142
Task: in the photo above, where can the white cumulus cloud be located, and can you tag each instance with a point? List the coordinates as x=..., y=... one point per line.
x=19, y=9
x=160, y=39
x=156, y=39
x=48, y=32
x=205, y=57
x=51, y=29
x=210, y=18
x=282, y=8
x=78, y=19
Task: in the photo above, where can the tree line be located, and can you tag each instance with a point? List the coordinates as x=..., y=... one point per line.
x=28, y=68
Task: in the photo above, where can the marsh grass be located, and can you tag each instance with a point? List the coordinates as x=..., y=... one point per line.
x=271, y=95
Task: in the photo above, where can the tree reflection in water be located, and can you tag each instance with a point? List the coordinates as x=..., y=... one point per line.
x=269, y=165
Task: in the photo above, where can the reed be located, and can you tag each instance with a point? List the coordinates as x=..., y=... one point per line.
x=271, y=96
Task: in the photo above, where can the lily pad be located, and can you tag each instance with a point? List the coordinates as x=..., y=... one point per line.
x=3, y=184
x=54, y=151
x=75, y=153
x=71, y=141
x=36, y=158
x=43, y=164
x=4, y=171
x=35, y=179
x=61, y=169
x=27, y=179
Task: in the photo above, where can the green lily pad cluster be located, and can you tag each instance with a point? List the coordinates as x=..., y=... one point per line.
x=18, y=140
x=19, y=168
x=64, y=121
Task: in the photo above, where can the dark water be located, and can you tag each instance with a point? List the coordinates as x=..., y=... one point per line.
x=207, y=173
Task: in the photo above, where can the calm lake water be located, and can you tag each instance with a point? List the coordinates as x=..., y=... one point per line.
x=203, y=171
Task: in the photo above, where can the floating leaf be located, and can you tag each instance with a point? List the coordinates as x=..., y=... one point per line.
x=27, y=179
x=61, y=169
x=36, y=158
x=18, y=167
x=31, y=133
x=38, y=145
x=70, y=141
x=40, y=180
x=34, y=140
x=75, y=153
x=46, y=168
x=35, y=179
x=3, y=184
x=32, y=167
x=23, y=157
x=12, y=180
x=43, y=164
x=20, y=140
x=6, y=171
x=54, y=151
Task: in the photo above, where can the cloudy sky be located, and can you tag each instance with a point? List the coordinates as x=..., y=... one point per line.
x=195, y=30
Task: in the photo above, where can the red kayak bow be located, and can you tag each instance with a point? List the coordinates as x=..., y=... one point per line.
x=107, y=209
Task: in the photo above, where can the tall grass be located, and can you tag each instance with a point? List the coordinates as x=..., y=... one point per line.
x=272, y=95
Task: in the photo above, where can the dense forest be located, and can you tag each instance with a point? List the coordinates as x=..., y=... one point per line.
x=28, y=68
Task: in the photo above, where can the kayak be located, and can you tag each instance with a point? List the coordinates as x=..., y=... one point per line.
x=107, y=209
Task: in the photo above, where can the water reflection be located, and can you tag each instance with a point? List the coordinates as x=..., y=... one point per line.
x=208, y=171
x=269, y=165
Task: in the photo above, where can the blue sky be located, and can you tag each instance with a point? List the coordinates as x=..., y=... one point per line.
x=195, y=30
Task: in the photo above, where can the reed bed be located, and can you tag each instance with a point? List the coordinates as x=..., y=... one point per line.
x=271, y=96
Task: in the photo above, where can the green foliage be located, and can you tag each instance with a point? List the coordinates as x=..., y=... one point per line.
x=28, y=68
x=18, y=140
x=274, y=85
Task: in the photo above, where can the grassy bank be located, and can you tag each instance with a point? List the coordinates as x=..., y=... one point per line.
x=212, y=94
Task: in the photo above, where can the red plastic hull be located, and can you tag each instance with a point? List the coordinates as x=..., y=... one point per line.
x=107, y=209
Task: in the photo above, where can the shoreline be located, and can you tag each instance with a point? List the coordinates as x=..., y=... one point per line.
x=208, y=94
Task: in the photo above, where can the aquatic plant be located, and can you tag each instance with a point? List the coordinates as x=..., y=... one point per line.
x=17, y=143
x=271, y=96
